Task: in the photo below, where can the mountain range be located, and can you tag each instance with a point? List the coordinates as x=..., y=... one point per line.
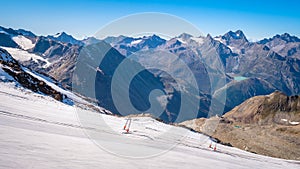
x=246, y=68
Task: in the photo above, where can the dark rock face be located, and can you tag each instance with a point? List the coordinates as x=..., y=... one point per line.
x=5, y=40
x=49, y=48
x=14, y=69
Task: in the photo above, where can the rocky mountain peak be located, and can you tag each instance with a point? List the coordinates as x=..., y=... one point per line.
x=65, y=38
x=209, y=37
x=185, y=36
x=155, y=38
x=288, y=38
x=235, y=38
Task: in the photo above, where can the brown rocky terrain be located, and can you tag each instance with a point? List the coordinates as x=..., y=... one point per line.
x=267, y=125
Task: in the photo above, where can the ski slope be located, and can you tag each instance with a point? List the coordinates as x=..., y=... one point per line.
x=40, y=132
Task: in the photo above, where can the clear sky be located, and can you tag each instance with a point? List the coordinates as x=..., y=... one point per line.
x=257, y=18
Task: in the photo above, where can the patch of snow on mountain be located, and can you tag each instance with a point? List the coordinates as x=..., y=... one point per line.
x=23, y=42
x=199, y=40
x=1, y=31
x=294, y=122
x=233, y=49
x=219, y=39
x=22, y=55
x=181, y=40
x=135, y=42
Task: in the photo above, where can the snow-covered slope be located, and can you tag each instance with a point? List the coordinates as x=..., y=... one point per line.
x=40, y=132
x=12, y=71
x=23, y=42
x=23, y=56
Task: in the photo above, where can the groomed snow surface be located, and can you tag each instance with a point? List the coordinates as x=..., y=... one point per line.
x=40, y=132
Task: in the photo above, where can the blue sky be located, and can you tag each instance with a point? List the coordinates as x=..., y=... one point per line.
x=257, y=18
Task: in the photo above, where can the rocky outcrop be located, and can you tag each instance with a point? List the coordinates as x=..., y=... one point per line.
x=15, y=70
x=267, y=125
x=276, y=108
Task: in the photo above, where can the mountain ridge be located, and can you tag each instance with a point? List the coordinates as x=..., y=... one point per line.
x=232, y=51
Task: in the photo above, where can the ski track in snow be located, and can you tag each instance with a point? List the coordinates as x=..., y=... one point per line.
x=40, y=132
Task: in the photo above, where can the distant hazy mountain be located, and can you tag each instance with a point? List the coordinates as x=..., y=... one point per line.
x=129, y=45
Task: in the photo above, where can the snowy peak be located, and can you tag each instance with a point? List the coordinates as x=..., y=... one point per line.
x=65, y=38
x=240, y=34
x=185, y=36
x=128, y=45
x=235, y=35
x=152, y=41
x=189, y=40
x=235, y=39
